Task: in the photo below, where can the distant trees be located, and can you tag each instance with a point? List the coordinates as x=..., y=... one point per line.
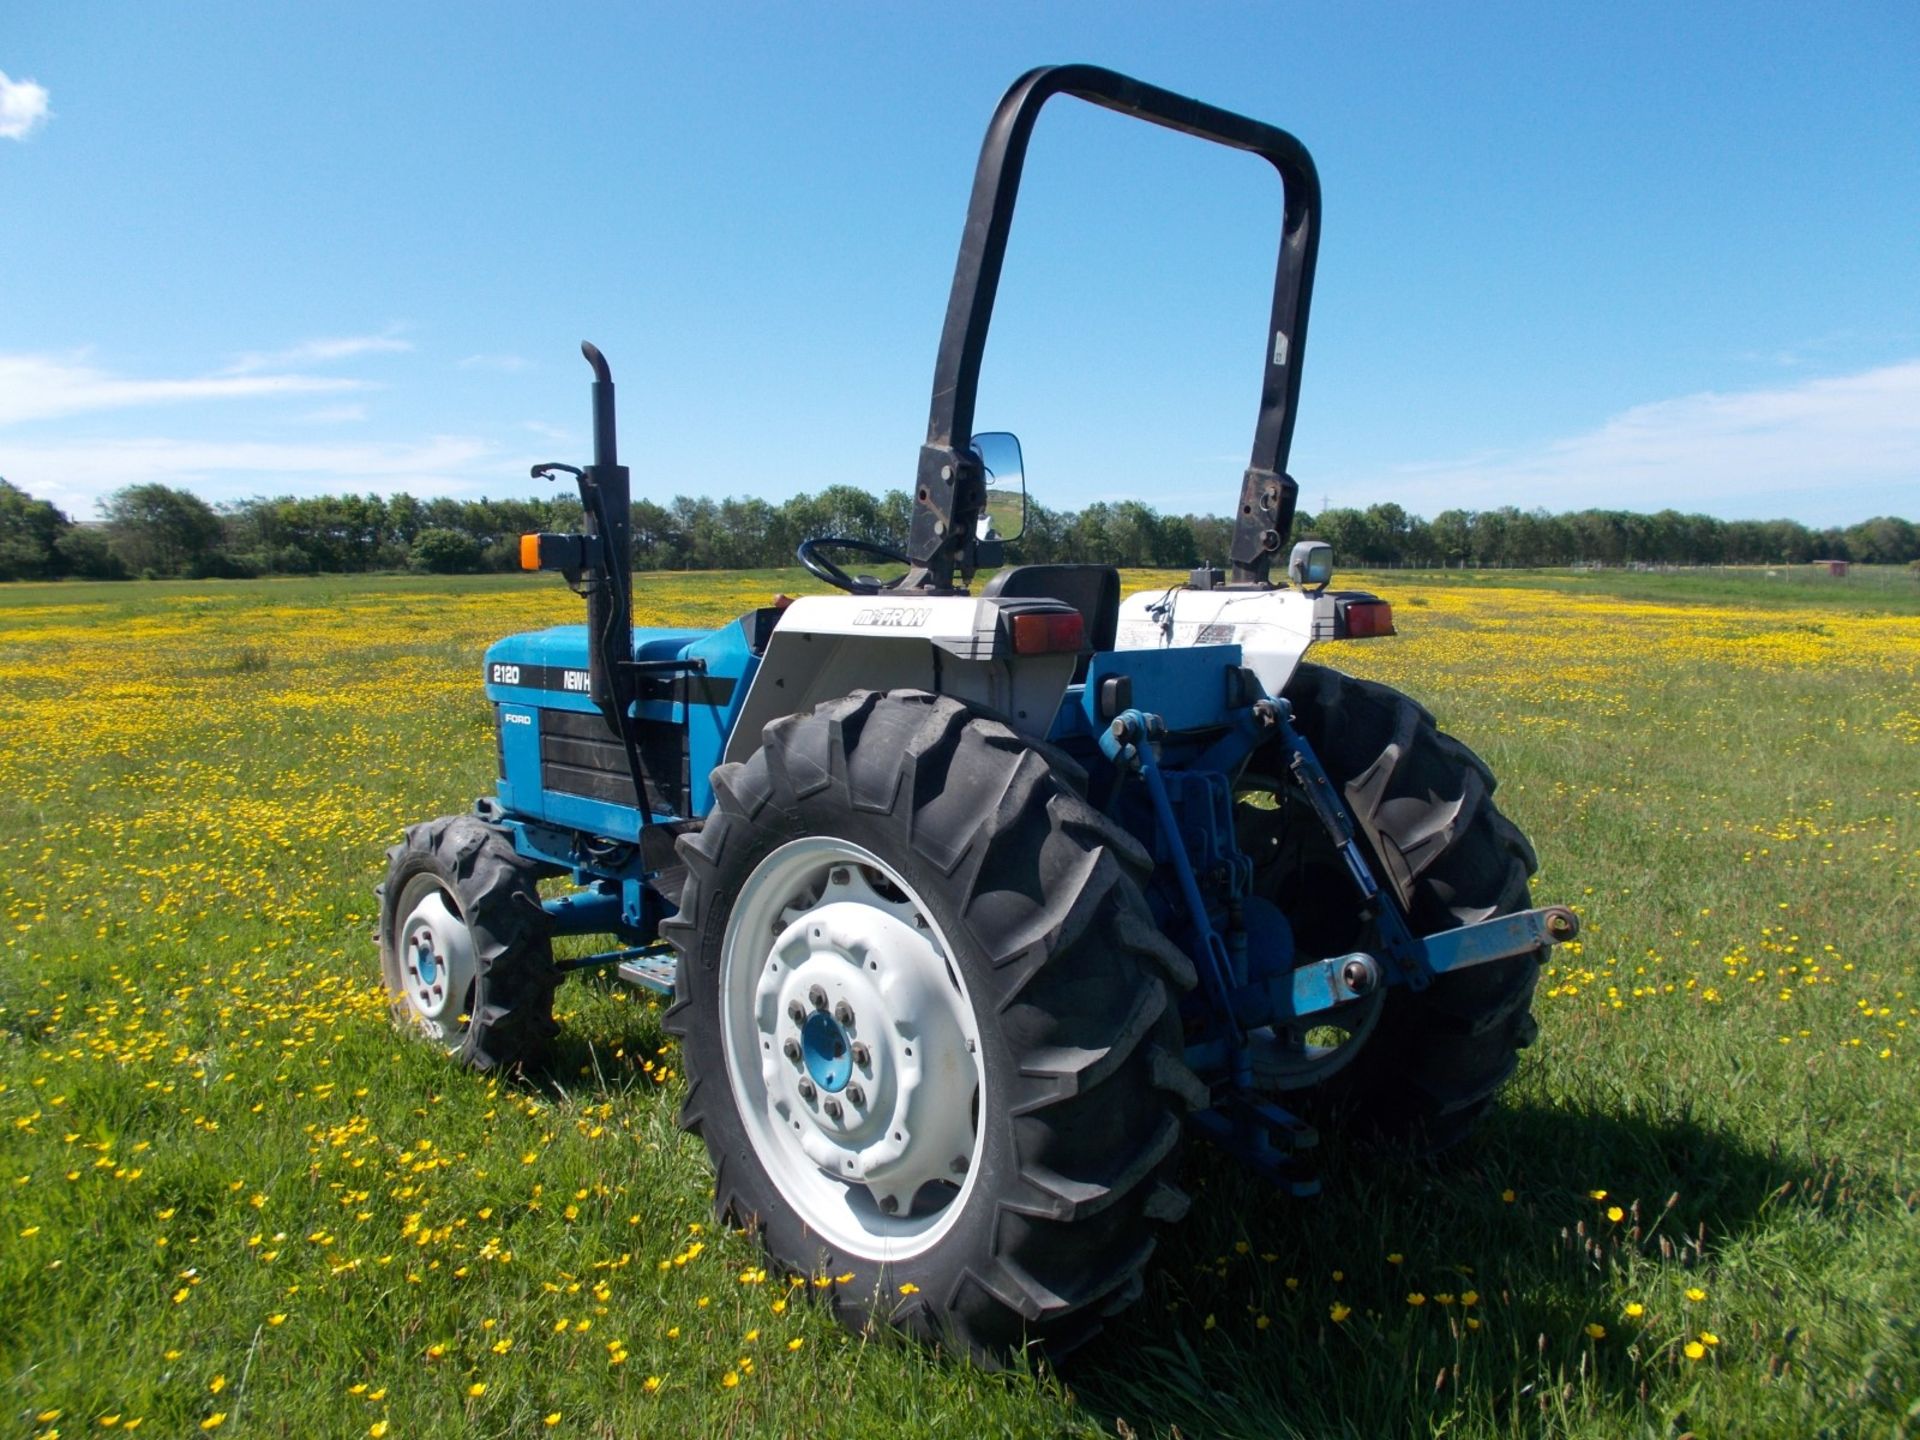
x=158, y=530
x=161, y=531
x=30, y=533
x=444, y=552
x=1507, y=536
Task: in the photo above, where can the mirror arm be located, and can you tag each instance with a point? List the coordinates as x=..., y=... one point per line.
x=949, y=491
x=1261, y=525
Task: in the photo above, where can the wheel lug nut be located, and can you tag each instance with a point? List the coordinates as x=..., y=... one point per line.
x=791, y=1050
x=862, y=1056
x=818, y=997
x=856, y=1096
x=843, y=1012
x=833, y=1109
x=806, y=1091
x=889, y=1203
x=839, y=876
x=796, y=1013
x=960, y=1164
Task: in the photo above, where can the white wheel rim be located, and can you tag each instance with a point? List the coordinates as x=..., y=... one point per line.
x=435, y=965
x=875, y=1148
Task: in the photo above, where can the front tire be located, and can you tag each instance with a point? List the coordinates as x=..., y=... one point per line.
x=464, y=955
x=905, y=880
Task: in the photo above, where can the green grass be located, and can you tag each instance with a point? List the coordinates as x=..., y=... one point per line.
x=206, y=1123
x=1867, y=589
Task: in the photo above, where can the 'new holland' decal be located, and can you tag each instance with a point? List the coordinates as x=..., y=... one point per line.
x=538, y=677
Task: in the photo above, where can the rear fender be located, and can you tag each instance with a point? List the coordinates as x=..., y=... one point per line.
x=1273, y=628
x=826, y=646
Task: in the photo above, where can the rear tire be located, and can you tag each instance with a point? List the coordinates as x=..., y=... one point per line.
x=1428, y=1064
x=920, y=864
x=464, y=950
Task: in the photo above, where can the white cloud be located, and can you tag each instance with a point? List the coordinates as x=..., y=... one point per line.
x=1827, y=451
x=23, y=107
x=40, y=387
x=559, y=434
x=505, y=364
x=75, y=474
x=322, y=352
x=333, y=415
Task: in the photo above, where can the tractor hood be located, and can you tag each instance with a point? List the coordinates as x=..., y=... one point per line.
x=548, y=668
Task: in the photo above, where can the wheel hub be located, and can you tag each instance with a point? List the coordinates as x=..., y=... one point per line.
x=426, y=965
x=827, y=1051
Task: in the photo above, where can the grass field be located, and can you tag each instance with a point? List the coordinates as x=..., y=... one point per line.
x=236, y=1202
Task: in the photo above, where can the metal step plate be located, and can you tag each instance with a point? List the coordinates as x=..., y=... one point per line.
x=649, y=972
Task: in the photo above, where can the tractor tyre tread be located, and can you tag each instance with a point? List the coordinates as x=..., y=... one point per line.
x=1429, y=825
x=1075, y=989
x=495, y=890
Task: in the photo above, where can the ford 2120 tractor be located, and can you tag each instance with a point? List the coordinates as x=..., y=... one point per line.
x=974, y=907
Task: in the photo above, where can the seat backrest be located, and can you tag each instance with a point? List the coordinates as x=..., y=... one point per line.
x=1093, y=590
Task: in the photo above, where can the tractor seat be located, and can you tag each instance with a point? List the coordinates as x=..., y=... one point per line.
x=1093, y=590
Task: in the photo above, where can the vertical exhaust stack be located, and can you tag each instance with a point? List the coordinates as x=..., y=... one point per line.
x=599, y=565
x=606, y=487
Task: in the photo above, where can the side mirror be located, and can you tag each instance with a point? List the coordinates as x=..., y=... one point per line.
x=1311, y=564
x=1004, y=516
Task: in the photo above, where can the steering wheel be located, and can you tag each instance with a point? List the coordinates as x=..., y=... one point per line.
x=808, y=554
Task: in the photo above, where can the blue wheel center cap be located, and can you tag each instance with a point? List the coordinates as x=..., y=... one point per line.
x=823, y=1046
x=423, y=961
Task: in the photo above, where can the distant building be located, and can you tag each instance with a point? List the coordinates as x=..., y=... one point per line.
x=1834, y=567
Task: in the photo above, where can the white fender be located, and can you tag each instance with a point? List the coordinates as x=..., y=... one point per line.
x=1273, y=628
x=826, y=646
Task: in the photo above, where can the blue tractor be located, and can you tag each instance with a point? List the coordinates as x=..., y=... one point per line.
x=975, y=907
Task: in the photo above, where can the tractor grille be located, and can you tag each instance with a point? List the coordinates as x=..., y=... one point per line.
x=580, y=754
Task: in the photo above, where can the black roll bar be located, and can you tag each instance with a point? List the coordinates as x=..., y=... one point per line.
x=950, y=488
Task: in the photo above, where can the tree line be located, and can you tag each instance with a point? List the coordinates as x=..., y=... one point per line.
x=159, y=531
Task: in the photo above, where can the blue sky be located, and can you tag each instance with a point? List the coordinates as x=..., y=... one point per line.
x=1626, y=255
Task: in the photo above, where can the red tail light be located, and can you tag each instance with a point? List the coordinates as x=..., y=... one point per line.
x=1368, y=618
x=1055, y=634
